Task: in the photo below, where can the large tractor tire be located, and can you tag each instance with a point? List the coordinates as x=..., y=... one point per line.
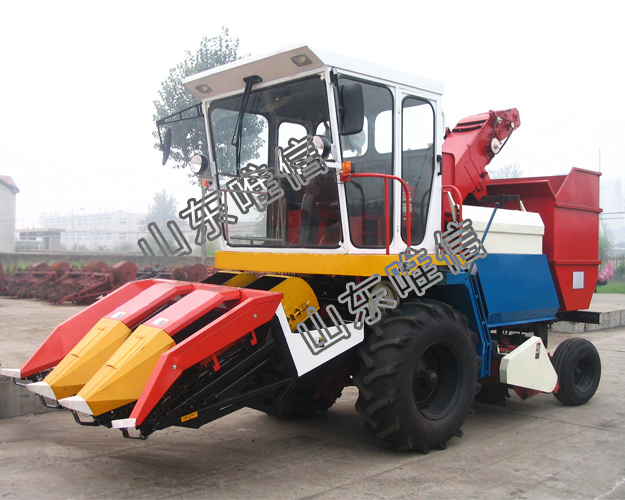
x=578, y=366
x=418, y=376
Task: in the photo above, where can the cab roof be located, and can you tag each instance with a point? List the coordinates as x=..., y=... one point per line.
x=289, y=62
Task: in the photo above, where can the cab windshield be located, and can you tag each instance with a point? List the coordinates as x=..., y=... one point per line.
x=273, y=208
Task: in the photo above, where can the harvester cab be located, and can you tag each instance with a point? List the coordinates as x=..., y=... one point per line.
x=315, y=120
x=353, y=233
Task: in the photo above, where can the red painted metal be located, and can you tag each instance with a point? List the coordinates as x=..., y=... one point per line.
x=252, y=309
x=124, y=272
x=146, y=303
x=457, y=196
x=196, y=272
x=25, y=278
x=386, y=177
x=196, y=304
x=64, y=285
x=569, y=207
x=39, y=280
x=96, y=280
x=387, y=238
x=467, y=150
x=65, y=336
x=525, y=393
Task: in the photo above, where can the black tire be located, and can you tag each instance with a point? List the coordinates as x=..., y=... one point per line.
x=418, y=376
x=578, y=366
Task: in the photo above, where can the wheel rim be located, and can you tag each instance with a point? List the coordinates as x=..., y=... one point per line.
x=436, y=380
x=583, y=375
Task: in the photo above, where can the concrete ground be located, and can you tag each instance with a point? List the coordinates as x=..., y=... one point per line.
x=25, y=324
x=537, y=449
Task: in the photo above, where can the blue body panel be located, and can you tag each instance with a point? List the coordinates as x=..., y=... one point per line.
x=461, y=291
x=517, y=289
x=508, y=290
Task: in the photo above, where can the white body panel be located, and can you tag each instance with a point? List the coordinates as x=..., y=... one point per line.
x=529, y=366
x=124, y=423
x=43, y=389
x=76, y=403
x=11, y=372
x=303, y=358
x=512, y=231
x=277, y=67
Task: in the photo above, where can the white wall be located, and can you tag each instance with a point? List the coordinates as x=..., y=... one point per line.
x=7, y=219
x=95, y=230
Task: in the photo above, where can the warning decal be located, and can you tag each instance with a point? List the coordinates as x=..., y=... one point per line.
x=190, y=416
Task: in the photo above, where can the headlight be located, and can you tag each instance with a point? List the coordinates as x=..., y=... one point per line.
x=198, y=164
x=323, y=146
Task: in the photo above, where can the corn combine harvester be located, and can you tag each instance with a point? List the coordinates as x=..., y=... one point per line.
x=159, y=353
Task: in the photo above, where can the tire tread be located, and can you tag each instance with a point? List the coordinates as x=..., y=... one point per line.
x=382, y=376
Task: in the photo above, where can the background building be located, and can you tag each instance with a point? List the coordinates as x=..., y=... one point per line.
x=8, y=190
x=39, y=239
x=99, y=231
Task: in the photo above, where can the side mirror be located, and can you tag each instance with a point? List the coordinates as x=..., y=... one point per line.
x=352, y=108
x=166, y=145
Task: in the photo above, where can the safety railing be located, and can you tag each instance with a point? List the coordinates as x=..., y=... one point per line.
x=347, y=177
x=453, y=205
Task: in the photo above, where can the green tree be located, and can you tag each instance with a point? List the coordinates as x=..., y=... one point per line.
x=188, y=137
x=605, y=248
x=162, y=209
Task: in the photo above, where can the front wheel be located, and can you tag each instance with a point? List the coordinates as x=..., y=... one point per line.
x=418, y=376
x=578, y=366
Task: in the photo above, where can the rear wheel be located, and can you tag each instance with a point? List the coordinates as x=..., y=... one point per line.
x=418, y=376
x=578, y=366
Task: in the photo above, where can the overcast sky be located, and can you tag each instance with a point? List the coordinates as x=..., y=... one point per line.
x=78, y=80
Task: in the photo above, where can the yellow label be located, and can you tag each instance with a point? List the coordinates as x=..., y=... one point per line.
x=190, y=416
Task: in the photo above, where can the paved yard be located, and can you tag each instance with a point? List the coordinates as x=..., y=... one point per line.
x=538, y=449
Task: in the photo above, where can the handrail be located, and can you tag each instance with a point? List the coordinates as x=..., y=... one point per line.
x=386, y=177
x=449, y=188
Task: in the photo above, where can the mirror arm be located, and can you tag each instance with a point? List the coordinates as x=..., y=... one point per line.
x=169, y=119
x=174, y=118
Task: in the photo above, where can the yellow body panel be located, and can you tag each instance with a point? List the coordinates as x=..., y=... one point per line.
x=241, y=280
x=89, y=355
x=123, y=377
x=308, y=263
x=297, y=298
